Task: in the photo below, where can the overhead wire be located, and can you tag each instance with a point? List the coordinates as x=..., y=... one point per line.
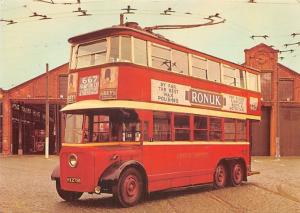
x=60, y=15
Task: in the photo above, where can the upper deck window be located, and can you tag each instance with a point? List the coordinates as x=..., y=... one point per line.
x=252, y=83
x=114, y=55
x=229, y=76
x=180, y=62
x=126, y=48
x=91, y=54
x=242, y=78
x=214, y=71
x=161, y=57
x=73, y=57
x=120, y=49
x=199, y=67
x=233, y=77
x=140, y=51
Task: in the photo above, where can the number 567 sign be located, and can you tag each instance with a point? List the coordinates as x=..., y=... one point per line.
x=89, y=85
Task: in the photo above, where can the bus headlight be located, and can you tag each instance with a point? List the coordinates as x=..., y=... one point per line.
x=73, y=160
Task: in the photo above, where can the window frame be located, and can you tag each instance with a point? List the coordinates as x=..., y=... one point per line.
x=226, y=68
x=93, y=53
x=248, y=74
x=193, y=66
x=121, y=48
x=146, y=54
x=234, y=133
x=169, y=129
x=201, y=129
x=187, y=62
x=188, y=129
x=221, y=130
x=239, y=133
x=220, y=72
x=168, y=61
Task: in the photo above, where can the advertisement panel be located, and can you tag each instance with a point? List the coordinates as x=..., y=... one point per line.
x=235, y=103
x=171, y=93
x=109, y=83
x=72, y=87
x=88, y=85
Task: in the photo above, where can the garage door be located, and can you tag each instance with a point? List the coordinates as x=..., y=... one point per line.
x=260, y=134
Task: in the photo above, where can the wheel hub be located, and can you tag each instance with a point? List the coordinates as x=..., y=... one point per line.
x=131, y=186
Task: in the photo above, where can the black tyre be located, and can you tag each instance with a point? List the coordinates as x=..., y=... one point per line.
x=220, y=176
x=130, y=188
x=236, y=174
x=67, y=195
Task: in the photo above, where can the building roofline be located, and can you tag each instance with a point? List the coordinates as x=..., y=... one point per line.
x=35, y=78
x=288, y=69
x=262, y=45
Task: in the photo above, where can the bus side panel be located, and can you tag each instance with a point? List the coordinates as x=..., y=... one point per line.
x=173, y=165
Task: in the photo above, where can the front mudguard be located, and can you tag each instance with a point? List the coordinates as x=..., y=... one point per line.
x=111, y=175
x=55, y=175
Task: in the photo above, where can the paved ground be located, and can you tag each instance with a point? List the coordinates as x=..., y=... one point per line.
x=25, y=186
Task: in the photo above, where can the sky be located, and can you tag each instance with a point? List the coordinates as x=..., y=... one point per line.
x=29, y=44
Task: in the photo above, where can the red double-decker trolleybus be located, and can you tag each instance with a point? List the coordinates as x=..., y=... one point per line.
x=146, y=114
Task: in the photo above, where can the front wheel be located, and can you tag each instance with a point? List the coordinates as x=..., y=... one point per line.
x=129, y=189
x=220, y=176
x=67, y=195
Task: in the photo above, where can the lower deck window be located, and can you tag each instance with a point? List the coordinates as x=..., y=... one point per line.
x=241, y=130
x=229, y=129
x=182, y=127
x=235, y=130
x=200, y=128
x=215, y=129
x=101, y=128
x=114, y=125
x=161, y=126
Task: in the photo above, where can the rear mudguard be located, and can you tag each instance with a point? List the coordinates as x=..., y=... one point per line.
x=111, y=175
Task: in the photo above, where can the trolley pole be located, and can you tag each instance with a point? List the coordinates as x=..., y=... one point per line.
x=47, y=114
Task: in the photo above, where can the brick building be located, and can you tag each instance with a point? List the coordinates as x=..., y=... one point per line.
x=279, y=85
x=22, y=114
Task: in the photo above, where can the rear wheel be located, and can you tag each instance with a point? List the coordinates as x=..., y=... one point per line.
x=130, y=188
x=67, y=195
x=220, y=176
x=236, y=176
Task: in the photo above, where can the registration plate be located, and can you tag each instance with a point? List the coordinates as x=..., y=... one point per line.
x=73, y=180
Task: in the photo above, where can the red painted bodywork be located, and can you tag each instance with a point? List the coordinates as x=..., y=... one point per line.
x=166, y=166
x=134, y=83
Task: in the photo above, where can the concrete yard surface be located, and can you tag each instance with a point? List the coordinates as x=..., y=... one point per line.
x=25, y=186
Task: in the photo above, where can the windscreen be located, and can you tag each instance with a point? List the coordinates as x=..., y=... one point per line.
x=103, y=126
x=73, y=130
